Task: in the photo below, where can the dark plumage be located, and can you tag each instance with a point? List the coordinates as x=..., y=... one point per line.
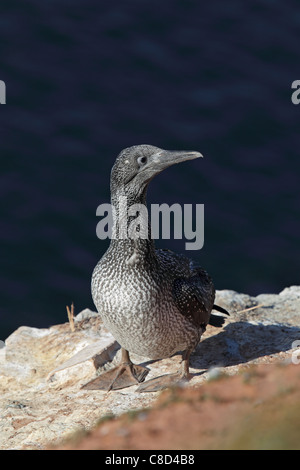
x=154, y=302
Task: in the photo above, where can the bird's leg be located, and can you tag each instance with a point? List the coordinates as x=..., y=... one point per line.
x=124, y=375
x=185, y=365
x=169, y=380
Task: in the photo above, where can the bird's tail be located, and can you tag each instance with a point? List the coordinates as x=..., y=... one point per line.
x=220, y=309
x=217, y=320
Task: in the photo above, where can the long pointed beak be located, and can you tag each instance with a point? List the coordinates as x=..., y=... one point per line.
x=165, y=158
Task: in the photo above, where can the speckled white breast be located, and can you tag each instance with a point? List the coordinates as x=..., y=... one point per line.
x=137, y=308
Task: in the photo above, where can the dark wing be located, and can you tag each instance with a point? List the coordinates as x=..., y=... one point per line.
x=194, y=297
x=193, y=289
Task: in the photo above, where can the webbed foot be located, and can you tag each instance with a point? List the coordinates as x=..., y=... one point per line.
x=162, y=382
x=169, y=380
x=122, y=376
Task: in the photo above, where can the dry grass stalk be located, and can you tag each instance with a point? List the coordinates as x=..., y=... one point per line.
x=250, y=308
x=70, y=313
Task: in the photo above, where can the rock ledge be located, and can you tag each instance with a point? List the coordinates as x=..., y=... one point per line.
x=42, y=370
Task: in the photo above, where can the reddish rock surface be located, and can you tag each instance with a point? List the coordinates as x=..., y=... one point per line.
x=259, y=408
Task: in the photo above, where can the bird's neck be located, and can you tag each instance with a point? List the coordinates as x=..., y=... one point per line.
x=131, y=232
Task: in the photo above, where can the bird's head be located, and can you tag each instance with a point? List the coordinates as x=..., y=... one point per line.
x=135, y=167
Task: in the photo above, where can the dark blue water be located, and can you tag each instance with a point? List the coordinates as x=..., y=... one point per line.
x=87, y=78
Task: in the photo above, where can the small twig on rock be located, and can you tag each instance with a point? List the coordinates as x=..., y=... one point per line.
x=250, y=308
x=71, y=316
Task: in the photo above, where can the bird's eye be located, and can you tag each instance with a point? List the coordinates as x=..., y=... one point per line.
x=142, y=160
